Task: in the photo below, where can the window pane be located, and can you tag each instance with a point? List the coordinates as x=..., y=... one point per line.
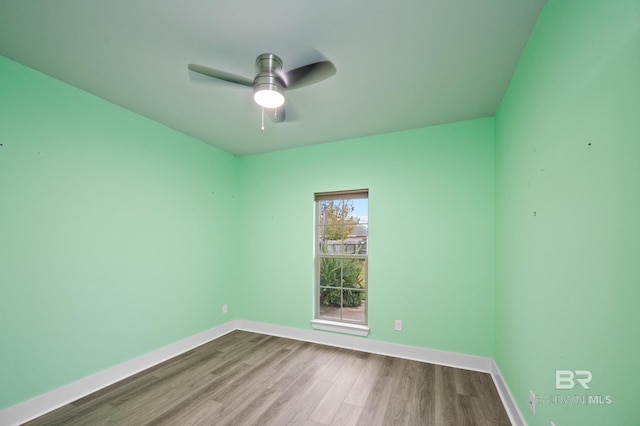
x=328, y=311
x=330, y=299
x=330, y=272
x=355, y=312
x=334, y=247
x=334, y=232
x=353, y=273
x=343, y=304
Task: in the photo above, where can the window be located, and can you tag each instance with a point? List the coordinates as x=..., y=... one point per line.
x=342, y=228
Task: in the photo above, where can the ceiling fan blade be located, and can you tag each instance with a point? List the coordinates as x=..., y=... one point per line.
x=221, y=75
x=308, y=74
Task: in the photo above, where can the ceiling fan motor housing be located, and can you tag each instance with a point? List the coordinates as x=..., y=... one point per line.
x=267, y=80
x=268, y=62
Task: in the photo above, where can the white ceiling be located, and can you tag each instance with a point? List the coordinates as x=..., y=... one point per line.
x=400, y=64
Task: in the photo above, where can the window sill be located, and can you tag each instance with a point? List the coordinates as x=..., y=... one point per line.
x=340, y=327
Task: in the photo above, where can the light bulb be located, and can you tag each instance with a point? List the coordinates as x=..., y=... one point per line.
x=268, y=98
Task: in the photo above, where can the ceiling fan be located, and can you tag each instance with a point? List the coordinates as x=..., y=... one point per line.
x=271, y=81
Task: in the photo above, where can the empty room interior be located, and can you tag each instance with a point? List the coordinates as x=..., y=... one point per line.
x=150, y=210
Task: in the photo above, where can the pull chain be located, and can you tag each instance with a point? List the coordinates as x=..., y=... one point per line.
x=262, y=128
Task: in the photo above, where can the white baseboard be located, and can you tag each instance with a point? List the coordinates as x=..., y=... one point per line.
x=42, y=404
x=515, y=415
x=450, y=359
x=50, y=401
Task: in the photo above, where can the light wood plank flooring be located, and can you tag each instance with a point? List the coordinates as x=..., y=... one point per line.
x=246, y=378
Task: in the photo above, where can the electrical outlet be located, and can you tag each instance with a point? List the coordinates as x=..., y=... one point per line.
x=224, y=309
x=532, y=402
x=398, y=325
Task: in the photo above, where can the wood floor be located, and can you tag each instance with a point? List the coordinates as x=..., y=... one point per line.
x=246, y=378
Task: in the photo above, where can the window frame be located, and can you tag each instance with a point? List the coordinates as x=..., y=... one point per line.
x=341, y=324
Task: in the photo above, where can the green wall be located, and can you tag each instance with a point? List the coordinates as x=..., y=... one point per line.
x=116, y=234
x=431, y=256
x=120, y=236
x=567, y=211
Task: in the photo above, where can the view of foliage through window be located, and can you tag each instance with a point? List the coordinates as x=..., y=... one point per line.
x=336, y=219
x=347, y=277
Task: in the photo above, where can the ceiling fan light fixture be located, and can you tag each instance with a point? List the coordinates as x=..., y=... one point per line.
x=268, y=95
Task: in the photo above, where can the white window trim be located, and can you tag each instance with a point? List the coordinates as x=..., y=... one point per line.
x=340, y=327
